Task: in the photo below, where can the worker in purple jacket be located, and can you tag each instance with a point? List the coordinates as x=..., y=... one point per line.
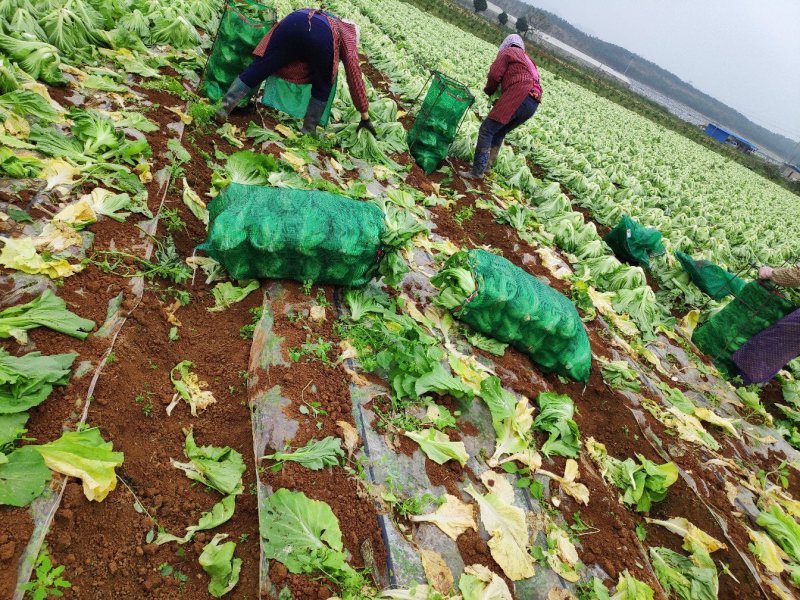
x=518, y=78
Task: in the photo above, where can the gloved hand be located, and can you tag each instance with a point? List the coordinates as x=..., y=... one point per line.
x=367, y=124
x=765, y=273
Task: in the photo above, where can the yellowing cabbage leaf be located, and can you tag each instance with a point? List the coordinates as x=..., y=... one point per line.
x=85, y=455
x=20, y=254
x=690, y=534
x=453, y=517
x=767, y=551
x=479, y=583
x=508, y=529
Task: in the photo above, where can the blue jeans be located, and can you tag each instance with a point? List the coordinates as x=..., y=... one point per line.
x=492, y=133
x=291, y=41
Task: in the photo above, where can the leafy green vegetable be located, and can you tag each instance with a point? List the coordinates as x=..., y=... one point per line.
x=619, y=375
x=362, y=301
x=693, y=578
x=36, y=58
x=783, y=529
x=27, y=381
x=628, y=588
x=455, y=282
x=85, y=455
x=23, y=477
x=315, y=455
x=220, y=513
x=221, y=566
x=12, y=426
x=439, y=381
x=190, y=388
x=302, y=534
x=225, y=294
x=48, y=310
x=438, y=447
x=555, y=418
x=216, y=467
x=641, y=484
x=486, y=343
x=511, y=418
x=29, y=104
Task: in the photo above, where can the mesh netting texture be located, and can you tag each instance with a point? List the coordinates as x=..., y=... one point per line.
x=280, y=233
x=513, y=306
x=634, y=243
x=751, y=311
x=710, y=278
x=237, y=36
x=437, y=121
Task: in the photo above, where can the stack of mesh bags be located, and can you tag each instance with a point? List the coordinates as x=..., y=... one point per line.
x=437, y=121
x=502, y=301
x=713, y=280
x=279, y=233
x=752, y=310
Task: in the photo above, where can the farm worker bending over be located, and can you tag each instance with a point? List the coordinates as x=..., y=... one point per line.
x=521, y=92
x=306, y=47
x=761, y=357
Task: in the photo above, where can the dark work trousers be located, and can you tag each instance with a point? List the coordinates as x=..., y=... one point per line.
x=492, y=133
x=293, y=41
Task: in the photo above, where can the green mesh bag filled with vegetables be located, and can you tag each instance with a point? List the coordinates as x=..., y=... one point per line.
x=244, y=23
x=282, y=233
x=710, y=278
x=754, y=308
x=437, y=121
x=634, y=243
x=502, y=301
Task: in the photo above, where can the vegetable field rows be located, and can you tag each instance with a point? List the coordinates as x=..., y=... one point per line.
x=288, y=440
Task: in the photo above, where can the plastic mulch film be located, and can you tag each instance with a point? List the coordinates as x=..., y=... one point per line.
x=242, y=26
x=437, y=121
x=293, y=98
x=43, y=509
x=281, y=233
x=698, y=388
x=710, y=278
x=751, y=311
x=634, y=243
x=511, y=305
x=385, y=466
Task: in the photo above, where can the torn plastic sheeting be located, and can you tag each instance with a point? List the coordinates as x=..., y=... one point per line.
x=43, y=513
x=386, y=465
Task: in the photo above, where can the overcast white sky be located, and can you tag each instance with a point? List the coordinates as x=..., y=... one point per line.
x=745, y=53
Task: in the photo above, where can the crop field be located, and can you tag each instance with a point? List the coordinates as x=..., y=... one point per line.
x=169, y=432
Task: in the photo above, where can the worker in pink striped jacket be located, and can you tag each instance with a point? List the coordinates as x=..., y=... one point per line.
x=305, y=47
x=518, y=79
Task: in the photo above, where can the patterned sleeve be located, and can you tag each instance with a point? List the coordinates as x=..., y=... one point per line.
x=788, y=277
x=352, y=69
x=496, y=72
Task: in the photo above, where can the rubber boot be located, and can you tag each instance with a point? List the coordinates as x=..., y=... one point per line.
x=231, y=99
x=479, y=164
x=313, y=116
x=494, y=151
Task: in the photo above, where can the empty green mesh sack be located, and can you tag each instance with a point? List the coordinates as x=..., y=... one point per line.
x=502, y=301
x=634, y=243
x=752, y=310
x=293, y=98
x=280, y=233
x=710, y=278
x=243, y=24
x=437, y=121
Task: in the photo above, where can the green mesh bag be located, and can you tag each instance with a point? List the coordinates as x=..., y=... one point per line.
x=751, y=311
x=502, y=301
x=710, y=278
x=242, y=26
x=280, y=233
x=437, y=121
x=293, y=98
x=634, y=243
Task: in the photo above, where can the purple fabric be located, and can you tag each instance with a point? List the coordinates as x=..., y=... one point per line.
x=761, y=357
